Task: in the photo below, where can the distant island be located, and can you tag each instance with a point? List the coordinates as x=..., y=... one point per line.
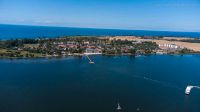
x=94, y=45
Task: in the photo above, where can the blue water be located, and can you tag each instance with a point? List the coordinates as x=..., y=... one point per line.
x=17, y=31
x=150, y=83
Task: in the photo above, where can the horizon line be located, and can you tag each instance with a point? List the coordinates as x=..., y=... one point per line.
x=98, y=28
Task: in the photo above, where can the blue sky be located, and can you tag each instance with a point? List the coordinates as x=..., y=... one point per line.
x=170, y=15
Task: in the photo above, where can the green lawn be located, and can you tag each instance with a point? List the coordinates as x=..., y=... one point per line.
x=31, y=45
x=22, y=53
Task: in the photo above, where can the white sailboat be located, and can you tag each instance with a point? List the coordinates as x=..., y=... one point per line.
x=119, y=107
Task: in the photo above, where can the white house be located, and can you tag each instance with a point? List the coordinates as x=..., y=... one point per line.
x=169, y=46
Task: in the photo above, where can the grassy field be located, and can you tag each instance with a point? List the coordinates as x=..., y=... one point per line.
x=2, y=50
x=31, y=45
x=23, y=54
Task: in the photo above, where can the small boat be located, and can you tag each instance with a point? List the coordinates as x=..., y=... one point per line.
x=137, y=56
x=138, y=109
x=188, y=89
x=119, y=107
x=91, y=62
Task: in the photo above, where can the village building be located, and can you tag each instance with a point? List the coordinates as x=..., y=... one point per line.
x=93, y=51
x=169, y=46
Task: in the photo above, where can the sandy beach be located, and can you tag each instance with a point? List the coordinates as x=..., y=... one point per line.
x=165, y=40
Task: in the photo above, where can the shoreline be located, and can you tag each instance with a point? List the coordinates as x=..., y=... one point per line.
x=110, y=55
x=106, y=45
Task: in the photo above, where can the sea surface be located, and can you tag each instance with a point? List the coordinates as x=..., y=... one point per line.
x=19, y=31
x=154, y=83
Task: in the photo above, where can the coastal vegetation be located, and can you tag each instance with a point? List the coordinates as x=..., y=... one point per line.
x=79, y=45
x=188, y=40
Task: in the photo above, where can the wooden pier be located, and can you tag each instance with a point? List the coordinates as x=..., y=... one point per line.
x=90, y=61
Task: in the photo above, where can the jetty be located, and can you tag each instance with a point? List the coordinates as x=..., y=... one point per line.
x=189, y=88
x=90, y=61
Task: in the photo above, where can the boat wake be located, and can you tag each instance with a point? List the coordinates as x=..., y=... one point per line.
x=197, y=87
x=166, y=84
x=162, y=83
